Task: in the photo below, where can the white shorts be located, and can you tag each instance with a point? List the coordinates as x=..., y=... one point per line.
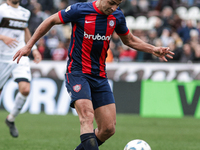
x=19, y=71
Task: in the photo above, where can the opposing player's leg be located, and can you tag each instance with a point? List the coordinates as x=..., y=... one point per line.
x=22, y=75
x=85, y=112
x=6, y=69
x=20, y=99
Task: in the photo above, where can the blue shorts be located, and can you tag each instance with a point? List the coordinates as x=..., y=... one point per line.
x=85, y=86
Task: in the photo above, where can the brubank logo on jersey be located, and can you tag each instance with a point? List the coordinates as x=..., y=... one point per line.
x=97, y=37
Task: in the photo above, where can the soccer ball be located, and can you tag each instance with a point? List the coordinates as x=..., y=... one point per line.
x=137, y=145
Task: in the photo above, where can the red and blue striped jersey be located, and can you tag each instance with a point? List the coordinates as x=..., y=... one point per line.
x=91, y=34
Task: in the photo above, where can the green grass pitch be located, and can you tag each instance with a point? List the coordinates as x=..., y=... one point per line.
x=52, y=132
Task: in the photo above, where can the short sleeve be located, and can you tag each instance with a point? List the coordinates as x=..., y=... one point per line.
x=70, y=14
x=121, y=28
x=1, y=14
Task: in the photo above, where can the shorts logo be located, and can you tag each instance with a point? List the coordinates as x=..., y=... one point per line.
x=77, y=87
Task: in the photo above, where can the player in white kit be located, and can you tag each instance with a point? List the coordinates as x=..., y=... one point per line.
x=14, y=34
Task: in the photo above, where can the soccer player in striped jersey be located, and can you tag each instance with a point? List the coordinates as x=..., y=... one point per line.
x=14, y=33
x=92, y=26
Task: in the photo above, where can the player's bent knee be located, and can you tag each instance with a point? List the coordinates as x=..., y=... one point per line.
x=25, y=92
x=108, y=131
x=24, y=88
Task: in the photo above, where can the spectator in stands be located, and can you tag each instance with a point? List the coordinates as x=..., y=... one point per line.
x=39, y=13
x=184, y=31
x=43, y=49
x=187, y=3
x=62, y=5
x=163, y=3
x=187, y=54
x=196, y=53
x=52, y=39
x=35, y=19
x=177, y=52
x=127, y=55
x=126, y=7
x=167, y=16
x=194, y=38
x=140, y=54
x=178, y=41
x=115, y=46
x=158, y=26
x=60, y=53
x=26, y=4
x=175, y=22
x=166, y=37
x=152, y=36
x=153, y=4
x=144, y=7
x=134, y=10
x=197, y=3
x=47, y=5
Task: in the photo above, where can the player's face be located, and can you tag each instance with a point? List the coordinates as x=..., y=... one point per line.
x=14, y=1
x=109, y=6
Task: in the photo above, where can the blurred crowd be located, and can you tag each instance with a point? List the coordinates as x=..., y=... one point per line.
x=181, y=35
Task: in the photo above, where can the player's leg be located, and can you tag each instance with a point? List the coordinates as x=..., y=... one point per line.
x=105, y=110
x=80, y=92
x=105, y=117
x=20, y=99
x=5, y=72
x=6, y=69
x=22, y=76
x=85, y=112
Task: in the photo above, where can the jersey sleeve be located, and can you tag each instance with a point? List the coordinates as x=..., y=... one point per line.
x=29, y=17
x=1, y=12
x=121, y=28
x=70, y=14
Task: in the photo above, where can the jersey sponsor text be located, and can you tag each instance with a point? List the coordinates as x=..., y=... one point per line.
x=97, y=37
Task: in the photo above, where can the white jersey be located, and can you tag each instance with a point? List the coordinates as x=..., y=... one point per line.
x=13, y=21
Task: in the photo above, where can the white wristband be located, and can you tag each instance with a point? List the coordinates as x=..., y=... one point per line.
x=34, y=47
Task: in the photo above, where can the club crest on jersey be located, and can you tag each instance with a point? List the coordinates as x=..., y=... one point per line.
x=68, y=8
x=111, y=23
x=77, y=87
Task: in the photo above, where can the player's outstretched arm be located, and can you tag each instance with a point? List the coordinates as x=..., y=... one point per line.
x=43, y=28
x=136, y=43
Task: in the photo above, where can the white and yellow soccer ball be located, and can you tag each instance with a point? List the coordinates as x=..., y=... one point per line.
x=137, y=145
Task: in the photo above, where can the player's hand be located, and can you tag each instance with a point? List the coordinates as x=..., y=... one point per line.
x=163, y=52
x=24, y=51
x=10, y=42
x=37, y=56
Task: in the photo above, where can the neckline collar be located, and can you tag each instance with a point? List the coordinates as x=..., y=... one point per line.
x=97, y=9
